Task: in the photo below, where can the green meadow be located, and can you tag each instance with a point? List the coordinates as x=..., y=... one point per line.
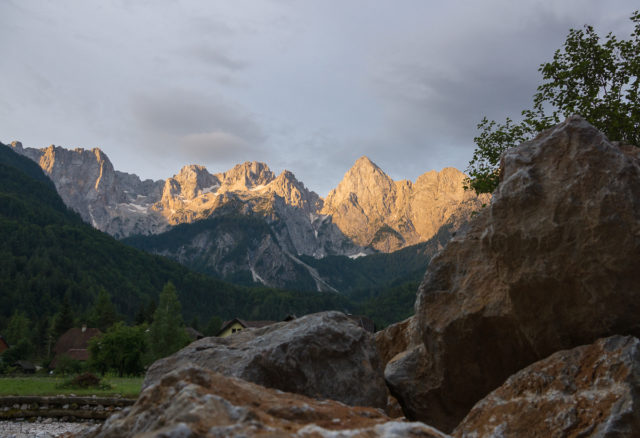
x=128, y=387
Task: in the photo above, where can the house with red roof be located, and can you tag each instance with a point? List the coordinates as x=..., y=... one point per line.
x=74, y=343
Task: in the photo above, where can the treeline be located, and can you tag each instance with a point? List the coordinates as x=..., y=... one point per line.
x=55, y=271
x=125, y=349
x=49, y=255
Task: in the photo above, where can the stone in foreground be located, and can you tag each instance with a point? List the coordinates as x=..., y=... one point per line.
x=194, y=402
x=552, y=263
x=323, y=355
x=592, y=390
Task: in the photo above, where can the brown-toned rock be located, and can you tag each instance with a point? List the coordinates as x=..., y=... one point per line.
x=396, y=339
x=193, y=402
x=593, y=390
x=323, y=355
x=552, y=263
x=372, y=209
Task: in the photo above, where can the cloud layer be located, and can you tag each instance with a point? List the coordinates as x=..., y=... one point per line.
x=308, y=86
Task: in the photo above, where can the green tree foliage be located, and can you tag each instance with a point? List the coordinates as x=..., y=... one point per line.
x=195, y=323
x=18, y=335
x=103, y=314
x=67, y=365
x=18, y=328
x=121, y=349
x=53, y=266
x=63, y=320
x=391, y=304
x=19, y=351
x=598, y=79
x=47, y=252
x=213, y=326
x=166, y=333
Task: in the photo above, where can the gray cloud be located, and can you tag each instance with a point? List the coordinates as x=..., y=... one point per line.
x=435, y=92
x=181, y=112
x=215, y=146
x=308, y=86
x=214, y=57
x=193, y=127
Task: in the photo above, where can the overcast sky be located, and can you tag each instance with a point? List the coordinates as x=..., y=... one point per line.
x=307, y=86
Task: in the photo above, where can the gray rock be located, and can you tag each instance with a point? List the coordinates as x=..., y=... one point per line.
x=115, y=202
x=194, y=402
x=324, y=355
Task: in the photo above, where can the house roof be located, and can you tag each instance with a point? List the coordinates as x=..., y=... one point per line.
x=3, y=343
x=25, y=365
x=244, y=323
x=75, y=338
x=193, y=333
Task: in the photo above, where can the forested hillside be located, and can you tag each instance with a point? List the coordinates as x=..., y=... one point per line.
x=47, y=253
x=360, y=278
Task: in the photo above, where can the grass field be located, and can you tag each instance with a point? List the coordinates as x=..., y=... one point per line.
x=128, y=387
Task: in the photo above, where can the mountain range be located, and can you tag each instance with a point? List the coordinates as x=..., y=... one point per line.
x=248, y=225
x=49, y=254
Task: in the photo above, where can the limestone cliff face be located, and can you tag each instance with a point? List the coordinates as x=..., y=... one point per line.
x=367, y=208
x=123, y=205
x=115, y=202
x=372, y=209
x=368, y=211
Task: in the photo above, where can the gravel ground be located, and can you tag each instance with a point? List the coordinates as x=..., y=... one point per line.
x=46, y=428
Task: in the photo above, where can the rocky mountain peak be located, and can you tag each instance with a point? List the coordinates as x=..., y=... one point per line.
x=365, y=170
x=365, y=163
x=287, y=186
x=448, y=180
x=365, y=180
x=367, y=206
x=372, y=209
x=246, y=176
x=192, y=181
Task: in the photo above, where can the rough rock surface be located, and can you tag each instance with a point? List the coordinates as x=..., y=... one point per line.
x=122, y=205
x=367, y=211
x=396, y=339
x=552, y=263
x=115, y=202
x=591, y=390
x=367, y=206
x=194, y=402
x=323, y=355
x=372, y=209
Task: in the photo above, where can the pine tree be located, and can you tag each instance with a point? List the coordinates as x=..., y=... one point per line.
x=18, y=328
x=103, y=314
x=213, y=326
x=166, y=334
x=64, y=318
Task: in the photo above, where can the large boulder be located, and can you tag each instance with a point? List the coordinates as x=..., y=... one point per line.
x=395, y=339
x=323, y=355
x=552, y=263
x=592, y=390
x=194, y=402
